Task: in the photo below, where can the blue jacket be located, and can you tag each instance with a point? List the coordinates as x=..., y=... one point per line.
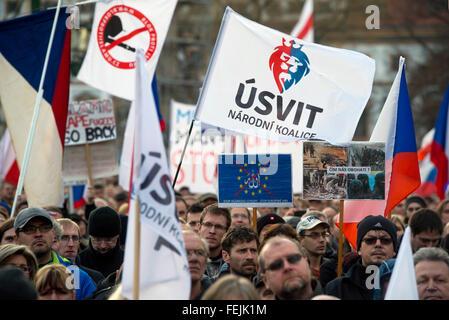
x=84, y=285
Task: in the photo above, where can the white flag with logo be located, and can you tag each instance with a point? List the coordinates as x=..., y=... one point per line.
x=118, y=30
x=164, y=270
x=266, y=83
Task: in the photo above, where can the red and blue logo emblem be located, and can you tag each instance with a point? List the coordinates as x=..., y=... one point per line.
x=289, y=64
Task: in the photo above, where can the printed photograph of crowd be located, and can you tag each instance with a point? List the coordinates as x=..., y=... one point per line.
x=365, y=178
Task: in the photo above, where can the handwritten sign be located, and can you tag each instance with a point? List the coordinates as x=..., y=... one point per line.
x=90, y=121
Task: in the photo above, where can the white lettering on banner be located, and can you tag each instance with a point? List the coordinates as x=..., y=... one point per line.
x=153, y=213
x=90, y=121
x=346, y=170
x=282, y=88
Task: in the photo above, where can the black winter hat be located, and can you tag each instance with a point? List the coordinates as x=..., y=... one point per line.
x=376, y=223
x=104, y=222
x=270, y=218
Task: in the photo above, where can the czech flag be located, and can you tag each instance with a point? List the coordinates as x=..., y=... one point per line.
x=9, y=170
x=395, y=128
x=440, y=147
x=23, y=46
x=426, y=167
x=79, y=196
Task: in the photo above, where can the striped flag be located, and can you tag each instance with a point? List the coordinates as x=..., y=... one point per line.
x=395, y=128
x=9, y=170
x=304, y=28
x=440, y=146
x=23, y=47
x=427, y=169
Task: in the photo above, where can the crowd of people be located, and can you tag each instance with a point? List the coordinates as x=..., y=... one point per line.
x=289, y=254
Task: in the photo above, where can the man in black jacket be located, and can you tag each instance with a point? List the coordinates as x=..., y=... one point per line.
x=104, y=253
x=376, y=242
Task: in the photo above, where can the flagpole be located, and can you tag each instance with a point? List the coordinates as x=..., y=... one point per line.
x=182, y=155
x=255, y=219
x=136, y=275
x=71, y=204
x=40, y=94
x=89, y=165
x=340, y=240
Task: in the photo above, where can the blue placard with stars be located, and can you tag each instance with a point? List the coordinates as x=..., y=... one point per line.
x=255, y=180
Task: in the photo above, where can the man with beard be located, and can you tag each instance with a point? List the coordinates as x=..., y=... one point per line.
x=197, y=255
x=34, y=228
x=104, y=253
x=214, y=222
x=376, y=242
x=432, y=273
x=284, y=269
x=239, y=249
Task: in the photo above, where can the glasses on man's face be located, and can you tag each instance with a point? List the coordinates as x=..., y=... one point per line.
x=197, y=252
x=373, y=240
x=218, y=227
x=30, y=229
x=105, y=240
x=66, y=238
x=316, y=235
x=279, y=263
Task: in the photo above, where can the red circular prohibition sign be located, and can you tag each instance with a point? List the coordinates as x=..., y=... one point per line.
x=105, y=47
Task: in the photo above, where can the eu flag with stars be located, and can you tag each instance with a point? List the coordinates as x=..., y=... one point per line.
x=255, y=180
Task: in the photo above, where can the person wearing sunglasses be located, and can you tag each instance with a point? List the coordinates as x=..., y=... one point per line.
x=376, y=242
x=285, y=270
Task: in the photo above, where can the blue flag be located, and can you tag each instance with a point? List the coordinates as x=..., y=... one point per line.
x=263, y=180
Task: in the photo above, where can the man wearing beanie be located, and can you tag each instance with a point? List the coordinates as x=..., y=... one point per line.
x=104, y=253
x=376, y=242
x=265, y=222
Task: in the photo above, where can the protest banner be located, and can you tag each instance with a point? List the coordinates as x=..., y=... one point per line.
x=353, y=171
x=198, y=170
x=265, y=83
x=90, y=121
x=104, y=162
x=255, y=180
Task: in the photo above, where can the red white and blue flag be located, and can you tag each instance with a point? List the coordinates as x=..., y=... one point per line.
x=79, y=196
x=23, y=47
x=440, y=146
x=9, y=170
x=426, y=167
x=395, y=128
x=304, y=27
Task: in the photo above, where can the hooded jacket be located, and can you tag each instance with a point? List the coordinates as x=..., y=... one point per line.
x=106, y=263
